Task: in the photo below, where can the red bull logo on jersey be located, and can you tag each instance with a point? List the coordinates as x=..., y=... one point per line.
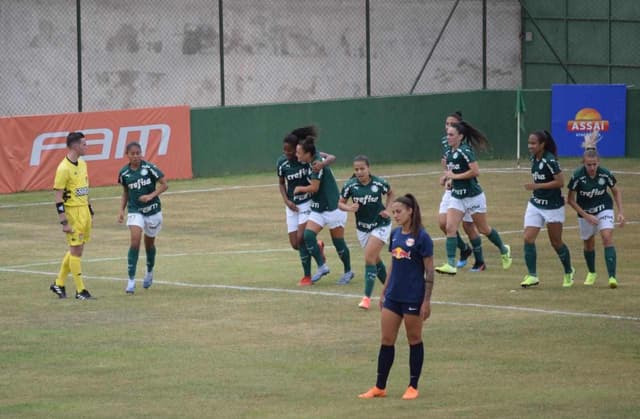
x=400, y=253
x=587, y=120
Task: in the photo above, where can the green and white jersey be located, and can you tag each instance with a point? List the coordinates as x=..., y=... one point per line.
x=141, y=182
x=295, y=174
x=458, y=161
x=370, y=198
x=591, y=192
x=543, y=171
x=326, y=199
x=444, y=145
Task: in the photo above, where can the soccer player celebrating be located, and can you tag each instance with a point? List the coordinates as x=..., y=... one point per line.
x=142, y=183
x=71, y=186
x=292, y=173
x=467, y=196
x=406, y=295
x=324, y=212
x=373, y=223
x=545, y=206
x=595, y=211
x=467, y=221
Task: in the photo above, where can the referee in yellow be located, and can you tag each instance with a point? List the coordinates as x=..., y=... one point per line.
x=71, y=188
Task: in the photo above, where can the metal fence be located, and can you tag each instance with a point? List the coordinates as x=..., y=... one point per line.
x=87, y=55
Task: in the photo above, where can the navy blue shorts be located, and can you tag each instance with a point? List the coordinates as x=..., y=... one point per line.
x=401, y=308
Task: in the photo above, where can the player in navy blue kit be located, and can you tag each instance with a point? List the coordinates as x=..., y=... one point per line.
x=406, y=294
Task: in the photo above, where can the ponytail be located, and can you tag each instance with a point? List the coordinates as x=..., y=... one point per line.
x=304, y=132
x=410, y=201
x=472, y=135
x=299, y=134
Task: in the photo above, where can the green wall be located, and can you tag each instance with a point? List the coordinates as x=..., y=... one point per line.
x=234, y=140
x=249, y=138
x=597, y=40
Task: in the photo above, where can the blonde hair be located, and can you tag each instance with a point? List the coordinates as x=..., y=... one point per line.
x=591, y=140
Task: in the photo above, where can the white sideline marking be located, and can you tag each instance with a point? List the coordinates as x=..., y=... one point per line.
x=241, y=252
x=273, y=185
x=340, y=295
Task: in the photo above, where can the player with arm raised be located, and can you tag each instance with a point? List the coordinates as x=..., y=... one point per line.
x=293, y=173
x=324, y=212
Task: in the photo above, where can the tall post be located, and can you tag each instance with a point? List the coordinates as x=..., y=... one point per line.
x=435, y=44
x=368, y=45
x=221, y=31
x=79, y=52
x=610, y=45
x=484, y=44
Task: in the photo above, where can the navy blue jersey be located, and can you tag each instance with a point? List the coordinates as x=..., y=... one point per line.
x=406, y=283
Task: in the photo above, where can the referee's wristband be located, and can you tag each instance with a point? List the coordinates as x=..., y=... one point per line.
x=60, y=207
x=91, y=210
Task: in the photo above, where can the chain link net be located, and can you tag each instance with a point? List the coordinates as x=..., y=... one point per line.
x=405, y=32
x=166, y=52
x=150, y=53
x=38, y=63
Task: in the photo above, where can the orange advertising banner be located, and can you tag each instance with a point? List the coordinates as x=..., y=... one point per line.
x=31, y=147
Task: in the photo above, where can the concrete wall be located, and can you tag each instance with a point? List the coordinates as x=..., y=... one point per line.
x=165, y=52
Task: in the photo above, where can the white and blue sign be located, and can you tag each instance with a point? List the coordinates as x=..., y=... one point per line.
x=578, y=109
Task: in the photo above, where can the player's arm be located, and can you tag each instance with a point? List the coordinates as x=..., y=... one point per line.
x=124, y=198
x=386, y=284
x=312, y=188
x=283, y=192
x=327, y=159
x=161, y=186
x=345, y=206
x=617, y=198
x=474, y=171
x=386, y=212
x=425, y=309
x=62, y=216
x=571, y=200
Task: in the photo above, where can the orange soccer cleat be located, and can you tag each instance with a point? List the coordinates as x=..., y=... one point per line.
x=305, y=281
x=410, y=394
x=364, y=304
x=373, y=392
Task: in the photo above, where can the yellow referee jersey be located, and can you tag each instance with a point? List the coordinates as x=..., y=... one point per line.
x=73, y=179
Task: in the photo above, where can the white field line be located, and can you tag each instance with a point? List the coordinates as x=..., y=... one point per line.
x=237, y=252
x=274, y=185
x=341, y=295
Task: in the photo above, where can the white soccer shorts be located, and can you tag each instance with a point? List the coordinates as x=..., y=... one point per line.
x=536, y=217
x=469, y=206
x=151, y=224
x=606, y=221
x=381, y=233
x=333, y=219
x=295, y=218
x=444, y=205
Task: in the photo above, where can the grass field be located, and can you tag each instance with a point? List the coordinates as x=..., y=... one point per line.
x=225, y=332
